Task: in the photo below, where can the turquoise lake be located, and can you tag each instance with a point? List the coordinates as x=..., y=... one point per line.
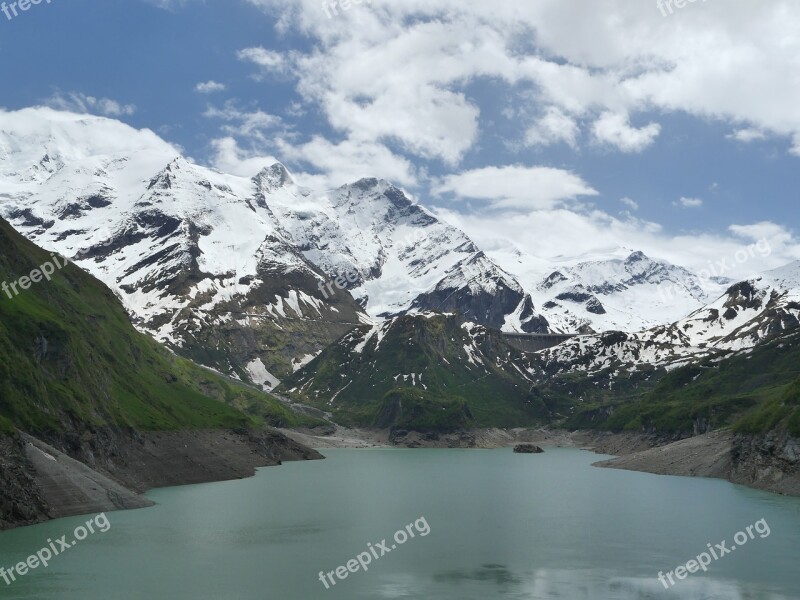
x=501, y=525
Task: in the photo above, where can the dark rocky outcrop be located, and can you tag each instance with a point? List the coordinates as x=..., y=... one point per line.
x=527, y=449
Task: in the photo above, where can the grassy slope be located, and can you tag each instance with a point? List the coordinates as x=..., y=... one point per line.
x=70, y=359
x=457, y=393
x=753, y=393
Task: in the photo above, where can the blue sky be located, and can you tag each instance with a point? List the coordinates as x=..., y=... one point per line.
x=496, y=115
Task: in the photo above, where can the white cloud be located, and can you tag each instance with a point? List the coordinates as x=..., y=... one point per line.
x=167, y=4
x=630, y=203
x=83, y=103
x=209, y=87
x=331, y=165
x=615, y=129
x=269, y=61
x=777, y=235
x=228, y=157
x=516, y=187
x=689, y=203
x=400, y=71
x=551, y=128
x=348, y=161
x=747, y=135
x=566, y=235
x=250, y=124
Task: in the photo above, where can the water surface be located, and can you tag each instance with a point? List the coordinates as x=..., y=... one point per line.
x=502, y=525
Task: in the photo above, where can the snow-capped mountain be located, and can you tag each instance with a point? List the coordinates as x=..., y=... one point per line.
x=237, y=273
x=399, y=255
x=232, y=271
x=747, y=314
x=617, y=289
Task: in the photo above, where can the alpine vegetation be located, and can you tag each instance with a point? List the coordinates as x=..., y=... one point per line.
x=46, y=270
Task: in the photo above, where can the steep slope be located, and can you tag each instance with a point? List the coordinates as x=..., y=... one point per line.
x=756, y=393
x=78, y=377
x=400, y=255
x=426, y=371
x=70, y=358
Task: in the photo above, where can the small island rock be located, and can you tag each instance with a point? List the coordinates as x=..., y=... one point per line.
x=527, y=449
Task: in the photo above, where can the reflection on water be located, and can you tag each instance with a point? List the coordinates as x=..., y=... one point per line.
x=502, y=527
x=498, y=581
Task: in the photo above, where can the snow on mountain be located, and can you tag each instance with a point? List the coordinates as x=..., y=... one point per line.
x=399, y=255
x=231, y=271
x=202, y=259
x=616, y=289
x=747, y=314
x=183, y=246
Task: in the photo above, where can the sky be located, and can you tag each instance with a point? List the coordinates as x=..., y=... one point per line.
x=559, y=127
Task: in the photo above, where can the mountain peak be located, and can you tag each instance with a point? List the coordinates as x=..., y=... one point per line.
x=275, y=176
x=637, y=256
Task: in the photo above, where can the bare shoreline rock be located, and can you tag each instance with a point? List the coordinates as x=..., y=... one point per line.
x=111, y=470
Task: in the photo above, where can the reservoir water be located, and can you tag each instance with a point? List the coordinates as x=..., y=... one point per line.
x=499, y=526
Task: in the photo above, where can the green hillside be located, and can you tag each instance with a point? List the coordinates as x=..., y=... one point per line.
x=70, y=360
x=753, y=393
x=416, y=372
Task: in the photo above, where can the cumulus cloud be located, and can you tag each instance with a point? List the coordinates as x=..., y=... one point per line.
x=319, y=163
x=551, y=128
x=615, y=129
x=528, y=244
x=167, y=4
x=515, y=187
x=230, y=158
x=747, y=135
x=400, y=71
x=268, y=61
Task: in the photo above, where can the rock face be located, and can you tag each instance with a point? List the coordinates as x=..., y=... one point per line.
x=767, y=462
x=39, y=481
x=527, y=449
x=21, y=502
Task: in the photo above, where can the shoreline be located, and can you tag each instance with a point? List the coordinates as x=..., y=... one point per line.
x=768, y=463
x=114, y=469
x=44, y=483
